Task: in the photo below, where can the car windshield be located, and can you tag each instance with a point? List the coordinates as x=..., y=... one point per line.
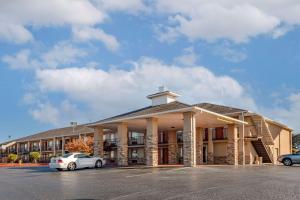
x=67, y=155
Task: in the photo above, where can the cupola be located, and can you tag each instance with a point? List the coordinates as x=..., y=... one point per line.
x=163, y=96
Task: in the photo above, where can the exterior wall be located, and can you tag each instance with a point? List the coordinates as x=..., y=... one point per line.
x=285, y=142
x=282, y=140
x=250, y=153
x=172, y=145
x=250, y=129
x=220, y=152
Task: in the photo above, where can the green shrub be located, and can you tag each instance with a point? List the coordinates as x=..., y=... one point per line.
x=12, y=157
x=35, y=156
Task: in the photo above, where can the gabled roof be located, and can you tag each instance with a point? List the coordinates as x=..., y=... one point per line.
x=147, y=110
x=220, y=109
x=66, y=131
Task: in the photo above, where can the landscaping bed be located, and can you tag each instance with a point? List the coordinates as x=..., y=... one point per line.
x=23, y=164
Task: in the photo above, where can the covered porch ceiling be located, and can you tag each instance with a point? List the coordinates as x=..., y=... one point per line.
x=173, y=120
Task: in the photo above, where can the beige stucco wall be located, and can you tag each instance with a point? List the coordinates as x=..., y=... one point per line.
x=220, y=148
x=285, y=142
x=282, y=139
x=250, y=153
x=250, y=129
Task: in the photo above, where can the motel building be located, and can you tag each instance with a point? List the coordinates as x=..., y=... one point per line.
x=169, y=132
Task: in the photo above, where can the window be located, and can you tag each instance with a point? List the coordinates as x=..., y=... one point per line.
x=225, y=133
x=179, y=135
x=81, y=156
x=214, y=133
x=68, y=155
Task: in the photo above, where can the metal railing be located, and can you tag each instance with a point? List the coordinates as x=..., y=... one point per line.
x=110, y=142
x=136, y=161
x=140, y=140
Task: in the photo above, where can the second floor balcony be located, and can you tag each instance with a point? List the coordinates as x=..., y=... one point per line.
x=140, y=140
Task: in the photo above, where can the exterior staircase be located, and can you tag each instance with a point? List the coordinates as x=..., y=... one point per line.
x=261, y=150
x=264, y=139
x=263, y=130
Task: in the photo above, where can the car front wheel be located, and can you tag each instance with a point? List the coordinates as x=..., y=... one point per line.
x=98, y=164
x=71, y=166
x=287, y=162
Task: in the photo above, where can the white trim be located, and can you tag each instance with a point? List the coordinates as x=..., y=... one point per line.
x=189, y=109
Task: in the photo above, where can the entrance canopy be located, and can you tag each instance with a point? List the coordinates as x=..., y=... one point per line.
x=168, y=119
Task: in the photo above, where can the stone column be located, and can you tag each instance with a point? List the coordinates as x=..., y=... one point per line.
x=28, y=146
x=98, y=141
x=63, y=145
x=241, y=156
x=54, y=146
x=152, y=142
x=40, y=144
x=210, y=147
x=232, y=145
x=172, y=145
x=189, y=139
x=18, y=148
x=122, y=143
x=199, y=146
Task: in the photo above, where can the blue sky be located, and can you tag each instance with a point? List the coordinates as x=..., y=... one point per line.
x=63, y=61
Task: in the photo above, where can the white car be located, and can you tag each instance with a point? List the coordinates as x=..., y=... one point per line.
x=72, y=161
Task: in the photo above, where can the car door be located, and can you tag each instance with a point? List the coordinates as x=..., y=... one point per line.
x=296, y=158
x=90, y=161
x=82, y=160
x=78, y=160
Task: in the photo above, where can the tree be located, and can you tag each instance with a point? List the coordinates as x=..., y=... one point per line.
x=12, y=157
x=35, y=156
x=80, y=145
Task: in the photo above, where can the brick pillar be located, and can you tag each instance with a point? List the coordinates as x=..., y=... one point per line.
x=241, y=156
x=54, y=146
x=189, y=139
x=172, y=144
x=40, y=144
x=28, y=146
x=232, y=145
x=122, y=143
x=152, y=142
x=63, y=145
x=18, y=148
x=199, y=146
x=210, y=147
x=98, y=141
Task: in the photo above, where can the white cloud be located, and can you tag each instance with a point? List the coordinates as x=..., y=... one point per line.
x=89, y=33
x=46, y=113
x=132, y=6
x=229, y=53
x=16, y=16
x=22, y=60
x=288, y=113
x=116, y=90
x=236, y=20
x=14, y=33
x=188, y=58
x=59, y=115
x=61, y=54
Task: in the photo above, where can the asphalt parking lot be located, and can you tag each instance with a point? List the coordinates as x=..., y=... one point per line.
x=205, y=182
